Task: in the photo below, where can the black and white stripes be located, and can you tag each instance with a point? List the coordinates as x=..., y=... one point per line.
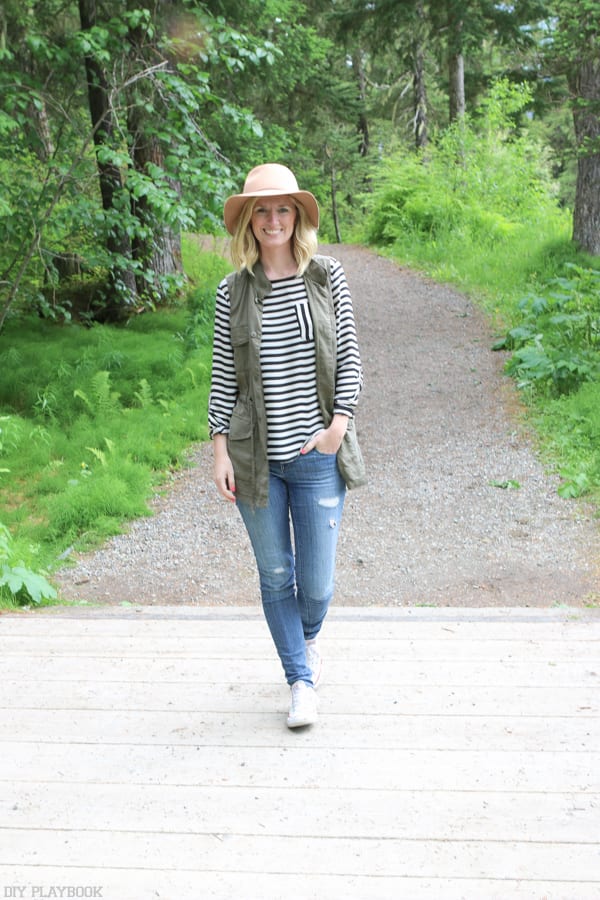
x=287, y=358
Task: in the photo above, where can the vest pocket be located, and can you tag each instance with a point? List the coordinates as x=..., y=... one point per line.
x=350, y=459
x=241, y=439
x=240, y=334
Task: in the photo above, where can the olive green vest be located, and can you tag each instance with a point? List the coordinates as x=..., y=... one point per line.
x=247, y=439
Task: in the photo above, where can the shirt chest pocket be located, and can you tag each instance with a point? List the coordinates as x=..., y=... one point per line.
x=304, y=320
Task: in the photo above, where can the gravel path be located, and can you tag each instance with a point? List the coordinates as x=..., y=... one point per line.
x=437, y=422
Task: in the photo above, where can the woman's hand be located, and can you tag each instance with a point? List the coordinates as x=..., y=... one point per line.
x=223, y=469
x=330, y=439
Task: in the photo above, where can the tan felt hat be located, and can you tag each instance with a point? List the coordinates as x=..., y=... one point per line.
x=269, y=180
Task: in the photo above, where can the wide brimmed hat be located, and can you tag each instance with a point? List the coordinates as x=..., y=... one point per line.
x=269, y=180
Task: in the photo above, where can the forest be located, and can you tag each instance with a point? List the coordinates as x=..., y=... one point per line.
x=461, y=137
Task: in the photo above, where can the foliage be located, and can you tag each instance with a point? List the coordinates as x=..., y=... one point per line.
x=556, y=345
x=19, y=584
x=205, y=269
x=481, y=179
x=478, y=207
x=85, y=438
x=570, y=429
x=151, y=148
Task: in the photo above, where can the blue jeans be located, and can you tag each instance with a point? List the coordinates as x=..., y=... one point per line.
x=297, y=581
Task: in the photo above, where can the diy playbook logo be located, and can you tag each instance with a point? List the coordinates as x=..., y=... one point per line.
x=46, y=892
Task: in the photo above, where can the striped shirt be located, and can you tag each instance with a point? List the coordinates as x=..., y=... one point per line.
x=288, y=365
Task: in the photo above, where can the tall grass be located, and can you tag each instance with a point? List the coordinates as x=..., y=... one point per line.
x=92, y=419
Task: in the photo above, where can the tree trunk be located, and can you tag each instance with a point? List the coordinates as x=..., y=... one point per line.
x=156, y=246
x=42, y=143
x=456, y=64
x=334, y=209
x=456, y=73
x=584, y=83
x=104, y=122
x=363, y=124
x=419, y=86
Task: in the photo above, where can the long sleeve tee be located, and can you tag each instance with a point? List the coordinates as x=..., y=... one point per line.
x=288, y=364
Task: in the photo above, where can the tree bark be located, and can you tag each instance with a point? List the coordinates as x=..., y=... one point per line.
x=156, y=245
x=456, y=73
x=363, y=123
x=420, y=94
x=104, y=122
x=42, y=142
x=584, y=83
x=456, y=64
x=334, y=209
x=419, y=85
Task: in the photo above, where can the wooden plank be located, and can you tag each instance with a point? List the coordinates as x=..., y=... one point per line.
x=307, y=856
x=263, y=729
x=349, y=768
x=129, y=884
x=191, y=646
x=320, y=812
x=246, y=697
x=501, y=622
x=552, y=633
x=551, y=673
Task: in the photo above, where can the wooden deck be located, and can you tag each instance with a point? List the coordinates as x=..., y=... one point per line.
x=144, y=753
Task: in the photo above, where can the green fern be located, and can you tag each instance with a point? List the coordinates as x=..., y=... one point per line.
x=11, y=358
x=103, y=399
x=144, y=395
x=106, y=401
x=100, y=454
x=81, y=396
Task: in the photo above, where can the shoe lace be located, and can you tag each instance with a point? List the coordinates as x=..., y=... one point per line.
x=298, y=693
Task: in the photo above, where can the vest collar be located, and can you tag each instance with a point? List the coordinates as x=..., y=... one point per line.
x=315, y=271
x=262, y=284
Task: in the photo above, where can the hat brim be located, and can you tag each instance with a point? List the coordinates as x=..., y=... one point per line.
x=234, y=205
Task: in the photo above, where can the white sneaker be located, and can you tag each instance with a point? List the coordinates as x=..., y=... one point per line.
x=314, y=660
x=303, y=710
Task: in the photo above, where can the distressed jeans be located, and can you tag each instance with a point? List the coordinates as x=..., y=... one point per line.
x=297, y=578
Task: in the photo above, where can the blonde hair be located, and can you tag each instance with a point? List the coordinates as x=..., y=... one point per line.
x=245, y=249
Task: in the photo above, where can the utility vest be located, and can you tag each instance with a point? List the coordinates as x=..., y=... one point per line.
x=247, y=438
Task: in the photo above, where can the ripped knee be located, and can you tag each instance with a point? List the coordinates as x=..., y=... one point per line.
x=330, y=503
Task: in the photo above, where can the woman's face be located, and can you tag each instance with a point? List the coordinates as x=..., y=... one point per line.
x=273, y=220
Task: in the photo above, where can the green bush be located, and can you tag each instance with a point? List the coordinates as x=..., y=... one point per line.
x=19, y=583
x=556, y=345
x=476, y=208
x=570, y=429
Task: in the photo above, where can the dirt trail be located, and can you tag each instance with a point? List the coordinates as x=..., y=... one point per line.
x=437, y=427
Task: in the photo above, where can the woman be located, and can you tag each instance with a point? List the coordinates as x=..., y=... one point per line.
x=286, y=378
